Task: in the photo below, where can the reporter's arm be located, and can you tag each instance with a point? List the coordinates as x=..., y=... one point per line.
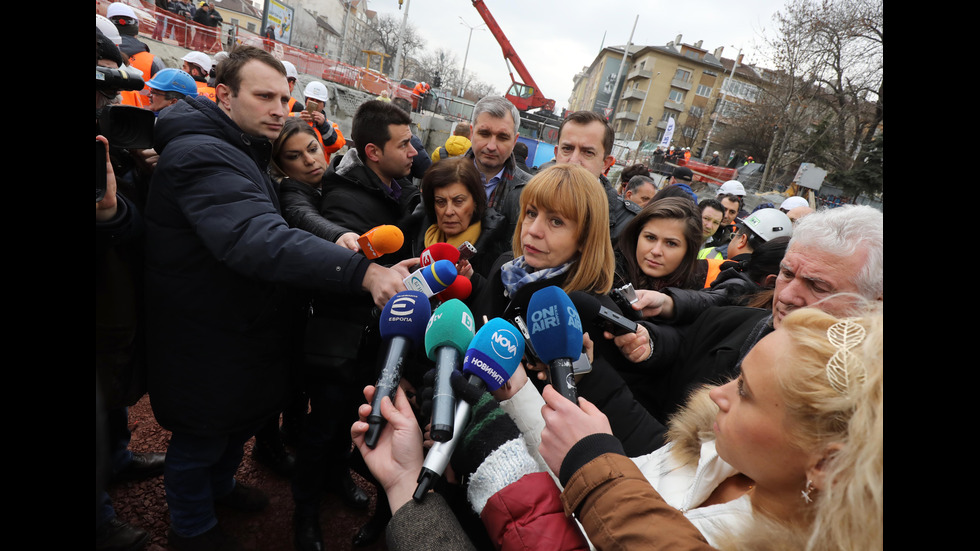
x=619, y=509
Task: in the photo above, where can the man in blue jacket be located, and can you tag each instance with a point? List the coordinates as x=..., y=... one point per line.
x=222, y=268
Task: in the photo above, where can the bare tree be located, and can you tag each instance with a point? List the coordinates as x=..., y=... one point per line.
x=822, y=102
x=388, y=28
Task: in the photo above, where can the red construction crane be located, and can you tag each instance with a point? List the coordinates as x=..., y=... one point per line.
x=525, y=95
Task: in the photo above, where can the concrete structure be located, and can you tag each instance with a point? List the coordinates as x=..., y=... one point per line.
x=684, y=81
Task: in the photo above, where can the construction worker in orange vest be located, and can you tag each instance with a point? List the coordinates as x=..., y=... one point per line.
x=198, y=65
x=137, y=53
x=755, y=229
x=327, y=132
x=292, y=75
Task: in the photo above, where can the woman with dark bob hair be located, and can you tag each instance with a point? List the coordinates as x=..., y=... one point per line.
x=454, y=210
x=659, y=247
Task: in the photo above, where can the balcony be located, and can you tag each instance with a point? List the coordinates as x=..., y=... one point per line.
x=628, y=115
x=634, y=93
x=673, y=105
x=639, y=73
x=682, y=84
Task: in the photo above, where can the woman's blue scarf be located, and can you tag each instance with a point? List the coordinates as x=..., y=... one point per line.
x=516, y=274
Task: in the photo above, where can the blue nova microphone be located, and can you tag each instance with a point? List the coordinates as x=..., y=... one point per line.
x=447, y=336
x=402, y=325
x=556, y=334
x=432, y=278
x=491, y=359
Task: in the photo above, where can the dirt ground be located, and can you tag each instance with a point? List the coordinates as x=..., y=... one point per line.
x=143, y=503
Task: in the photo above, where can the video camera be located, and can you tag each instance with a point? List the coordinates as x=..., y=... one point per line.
x=124, y=126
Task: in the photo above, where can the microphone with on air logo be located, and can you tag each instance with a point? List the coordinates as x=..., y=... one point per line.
x=556, y=335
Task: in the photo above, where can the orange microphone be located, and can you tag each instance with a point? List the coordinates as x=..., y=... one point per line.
x=381, y=240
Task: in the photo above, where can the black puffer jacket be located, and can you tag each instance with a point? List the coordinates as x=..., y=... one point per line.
x=638, y=430
x=301, y=209
x=506, y=197
x=354, y=199
x=222, y=267
x=494, y=239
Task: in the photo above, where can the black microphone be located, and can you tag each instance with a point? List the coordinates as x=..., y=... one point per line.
x=491, y=359
x=556, y=333
x=402, y=324
x=595, y=314
x=447, y=336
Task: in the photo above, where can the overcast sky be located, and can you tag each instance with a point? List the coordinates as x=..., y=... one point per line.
x=556, y=38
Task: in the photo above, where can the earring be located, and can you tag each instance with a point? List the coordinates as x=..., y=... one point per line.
x=807, y=490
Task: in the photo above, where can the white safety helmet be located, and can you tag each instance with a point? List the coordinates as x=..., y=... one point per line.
x=732, y=187
x=118, y=9
x=200, y=59
x=317, y=90
x=108, y=29
x=290, y=70
x=793, y=202
x=769, y=224
x=219, y=57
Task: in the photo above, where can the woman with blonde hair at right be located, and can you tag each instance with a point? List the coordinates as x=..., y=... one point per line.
x=789, y=455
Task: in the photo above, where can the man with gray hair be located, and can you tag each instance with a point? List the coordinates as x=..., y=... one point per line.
x=834, y=261
x=496, y=123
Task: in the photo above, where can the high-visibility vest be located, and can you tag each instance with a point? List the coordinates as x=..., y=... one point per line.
x=132, y=97
x=714, y=268
x=204, y=90
x=335, y=146
x=144, y=62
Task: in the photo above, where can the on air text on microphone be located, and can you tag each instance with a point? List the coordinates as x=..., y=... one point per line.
x=402, y=327
x=556, y=335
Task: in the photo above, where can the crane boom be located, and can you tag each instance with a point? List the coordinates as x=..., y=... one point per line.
x=525, y=95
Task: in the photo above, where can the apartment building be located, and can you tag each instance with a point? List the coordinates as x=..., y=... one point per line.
x=685, y=82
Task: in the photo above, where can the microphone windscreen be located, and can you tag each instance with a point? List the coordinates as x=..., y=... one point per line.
x=439, y=275
x=381, y=240
x=554, y=325
x=405, y=315
x=439, y=251
x=494, y=353
x=450, y=325
x=460, y=289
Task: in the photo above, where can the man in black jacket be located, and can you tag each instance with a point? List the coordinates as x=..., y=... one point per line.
x=834, y=256
x=586, y=139
x=368, y=187
x=496, y=125
x=222, y=269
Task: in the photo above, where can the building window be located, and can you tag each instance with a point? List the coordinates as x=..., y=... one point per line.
x=728, y=109
x=703, y=90
x=668, y=114
x=676, y=96
x=741, y=90
x=682, y=75
x=696, y=111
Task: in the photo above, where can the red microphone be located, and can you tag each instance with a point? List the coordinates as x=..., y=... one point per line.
x=439, y=251
x=460, y=288
x=381, y=240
